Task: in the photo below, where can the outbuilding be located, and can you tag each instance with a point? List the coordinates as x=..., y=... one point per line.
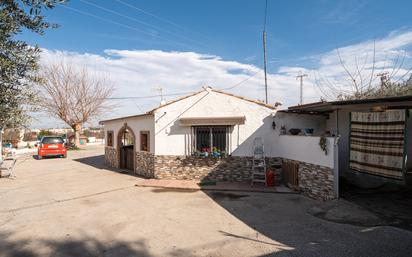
x=373, y=139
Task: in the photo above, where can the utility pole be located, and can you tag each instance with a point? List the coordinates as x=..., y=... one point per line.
x=264, y=51
x=264, y=66
x=300, y=76
x=160, y=90
x=384, y=78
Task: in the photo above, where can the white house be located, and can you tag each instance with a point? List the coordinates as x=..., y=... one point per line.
x=209, y=135
x=206, y=123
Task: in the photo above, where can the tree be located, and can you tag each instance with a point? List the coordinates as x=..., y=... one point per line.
x=73, y=95
x=19, y=60
x=12, y=136
x=44, y=132
x=360, y=82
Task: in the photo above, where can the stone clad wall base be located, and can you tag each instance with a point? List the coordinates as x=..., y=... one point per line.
x=232, y=168
x=110, y=157
x=144, y=165
x=316, y=181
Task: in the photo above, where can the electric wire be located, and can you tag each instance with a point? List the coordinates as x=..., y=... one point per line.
x=159, y=18
x=122, y=25
x=141, y=22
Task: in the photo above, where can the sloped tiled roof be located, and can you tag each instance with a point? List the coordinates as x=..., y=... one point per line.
x=193, y=94
x=217, y=91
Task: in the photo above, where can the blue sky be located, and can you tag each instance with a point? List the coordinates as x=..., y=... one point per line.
x=302, y=36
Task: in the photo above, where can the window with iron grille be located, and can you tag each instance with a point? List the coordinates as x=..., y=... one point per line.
x=211, y=140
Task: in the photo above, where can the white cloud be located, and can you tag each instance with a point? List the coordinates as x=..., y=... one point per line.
x=139, y=72
x=392, y=55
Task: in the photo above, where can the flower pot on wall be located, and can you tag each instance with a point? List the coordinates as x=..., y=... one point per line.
x=309, y=131
x=294, y=131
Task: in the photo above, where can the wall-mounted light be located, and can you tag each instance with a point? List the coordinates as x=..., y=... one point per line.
x=273, y=125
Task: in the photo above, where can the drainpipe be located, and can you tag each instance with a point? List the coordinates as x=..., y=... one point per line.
x=336, y=157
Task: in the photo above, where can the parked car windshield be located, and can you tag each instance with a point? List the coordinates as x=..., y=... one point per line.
x=52, y=140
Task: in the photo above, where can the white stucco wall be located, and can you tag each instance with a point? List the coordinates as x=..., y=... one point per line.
x=301, y=121
x=306, y=149
x=173, y=139
x=137, y=124
x=301, y=148
x=169, y=137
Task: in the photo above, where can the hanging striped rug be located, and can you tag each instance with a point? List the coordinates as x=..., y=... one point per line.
x=377, y=143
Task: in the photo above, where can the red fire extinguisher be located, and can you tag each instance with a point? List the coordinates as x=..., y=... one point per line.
x=270, y=178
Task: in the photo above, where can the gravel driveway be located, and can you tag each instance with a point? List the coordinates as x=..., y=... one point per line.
x=75, y=207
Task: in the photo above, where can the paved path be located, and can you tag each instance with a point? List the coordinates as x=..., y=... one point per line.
x=68, y=207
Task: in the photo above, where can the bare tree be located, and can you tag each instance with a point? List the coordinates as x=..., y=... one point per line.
x=73, y=95
x=359, y=82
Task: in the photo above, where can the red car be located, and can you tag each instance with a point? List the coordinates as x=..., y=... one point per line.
x=51, y=146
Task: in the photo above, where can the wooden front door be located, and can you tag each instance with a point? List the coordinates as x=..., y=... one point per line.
x=126, y=157
x=126, y=143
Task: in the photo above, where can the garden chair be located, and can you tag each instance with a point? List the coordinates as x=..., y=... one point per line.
x=8, y=166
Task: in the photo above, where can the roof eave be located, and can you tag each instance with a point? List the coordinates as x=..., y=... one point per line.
x=126, y=117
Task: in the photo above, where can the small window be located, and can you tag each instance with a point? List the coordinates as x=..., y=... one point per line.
x=144, y=141
x=109, y=138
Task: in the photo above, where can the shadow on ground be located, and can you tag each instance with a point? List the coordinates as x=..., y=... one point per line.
x=69, y=247
x=285, y=220
x=83, y=247
x=392, y=205
x=36, y=157
x=97, y=161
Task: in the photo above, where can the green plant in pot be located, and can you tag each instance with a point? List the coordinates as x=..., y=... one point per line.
x=323, y=144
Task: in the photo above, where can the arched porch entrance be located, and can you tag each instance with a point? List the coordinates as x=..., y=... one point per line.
x=126, y=148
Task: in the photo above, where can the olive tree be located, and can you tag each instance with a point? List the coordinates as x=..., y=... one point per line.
x=19, y=60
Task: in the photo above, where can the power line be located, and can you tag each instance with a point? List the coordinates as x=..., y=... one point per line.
x=181, y=93
x=156, y=16
x=149, y=96
x=106, y=20
x=120, y=24
x=242, y=81
x=140, y=22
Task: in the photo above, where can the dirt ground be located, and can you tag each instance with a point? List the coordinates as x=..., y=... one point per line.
x=76, y=207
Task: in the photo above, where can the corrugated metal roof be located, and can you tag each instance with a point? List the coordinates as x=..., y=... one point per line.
x=329, y=106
